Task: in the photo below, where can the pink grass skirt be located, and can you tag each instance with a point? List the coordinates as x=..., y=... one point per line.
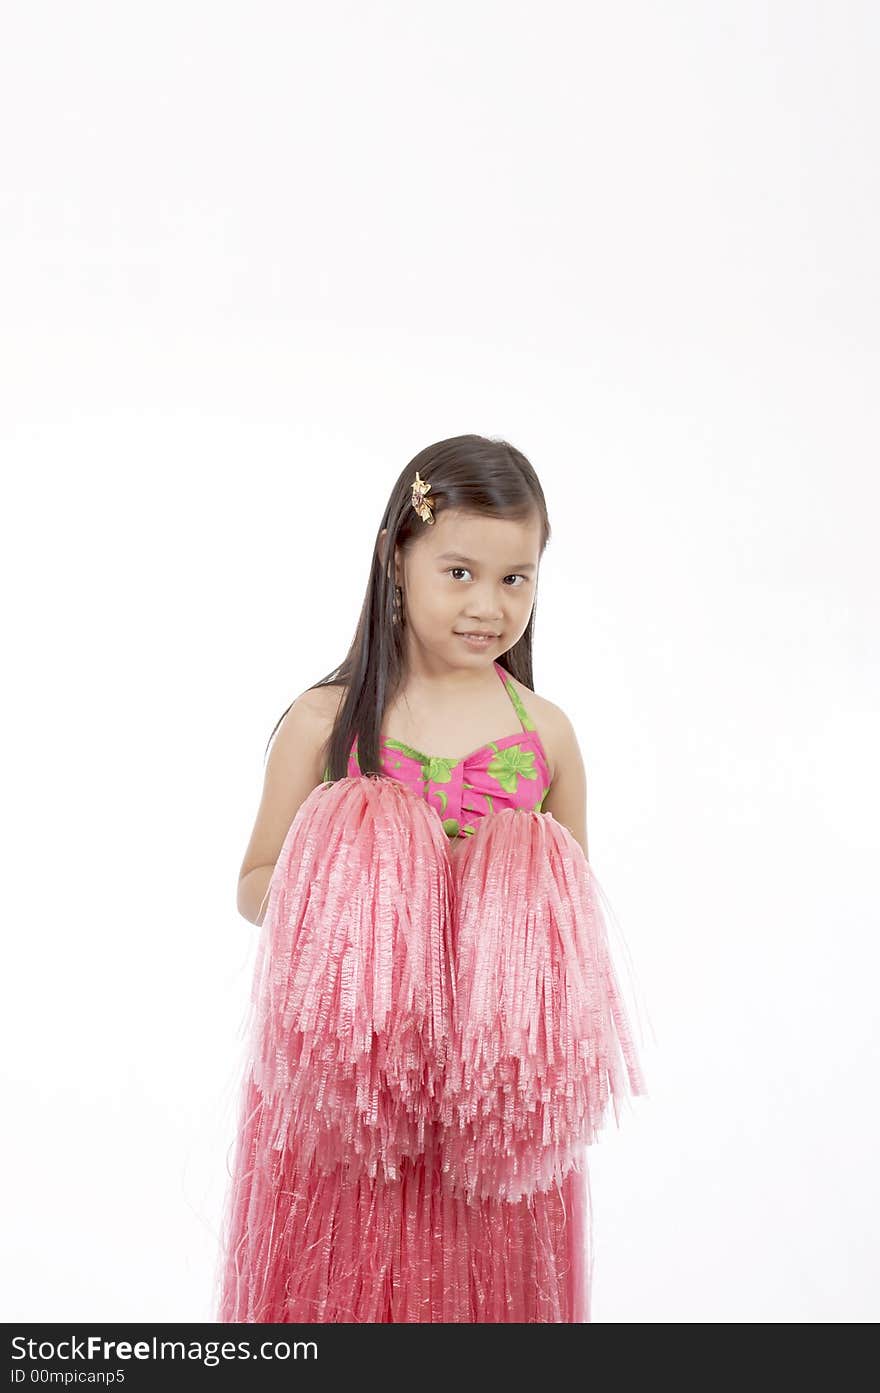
x=433, y=1044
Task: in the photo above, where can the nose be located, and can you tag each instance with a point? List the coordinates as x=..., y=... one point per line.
x=484, y=608
x=483, y=618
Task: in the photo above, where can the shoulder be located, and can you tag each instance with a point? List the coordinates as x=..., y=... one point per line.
x=323, y=702
x=566, y=798
x=303, y=729
x=295, y=738
x=553, y=725
x=293, y=770
x=311, y=717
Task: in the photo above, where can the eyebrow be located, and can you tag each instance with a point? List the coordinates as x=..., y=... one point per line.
x=466, y=560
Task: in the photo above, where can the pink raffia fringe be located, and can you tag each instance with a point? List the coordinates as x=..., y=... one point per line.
x=432, y=1044
x=351, y=996
x=541, y=1039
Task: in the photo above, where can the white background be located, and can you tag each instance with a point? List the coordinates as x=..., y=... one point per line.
x=254, y=258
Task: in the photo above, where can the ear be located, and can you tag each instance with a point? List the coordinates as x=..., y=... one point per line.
x=381, y=547
x=381, y=543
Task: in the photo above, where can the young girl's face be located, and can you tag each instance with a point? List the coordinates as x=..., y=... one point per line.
x=468, y=573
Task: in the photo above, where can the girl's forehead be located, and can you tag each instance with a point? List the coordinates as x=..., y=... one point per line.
x=470, y=536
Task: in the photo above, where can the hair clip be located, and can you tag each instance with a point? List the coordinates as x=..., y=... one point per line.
x=423, y=506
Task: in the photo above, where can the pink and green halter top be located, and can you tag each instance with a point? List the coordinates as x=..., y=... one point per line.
x=512, y=772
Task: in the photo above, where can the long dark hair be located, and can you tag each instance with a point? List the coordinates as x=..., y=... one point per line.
x=471, y=472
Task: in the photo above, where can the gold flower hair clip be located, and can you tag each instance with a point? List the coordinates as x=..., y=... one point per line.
x=424, y=506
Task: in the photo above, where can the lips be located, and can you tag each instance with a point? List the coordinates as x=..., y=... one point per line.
x=476, y=633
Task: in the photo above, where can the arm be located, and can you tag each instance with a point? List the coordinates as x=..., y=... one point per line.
x=291, y=773
x=567, y=796
x=253, y=887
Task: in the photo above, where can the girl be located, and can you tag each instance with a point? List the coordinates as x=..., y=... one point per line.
x=437, y=1026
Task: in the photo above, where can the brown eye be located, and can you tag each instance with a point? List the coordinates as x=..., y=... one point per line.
x=516, y=575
